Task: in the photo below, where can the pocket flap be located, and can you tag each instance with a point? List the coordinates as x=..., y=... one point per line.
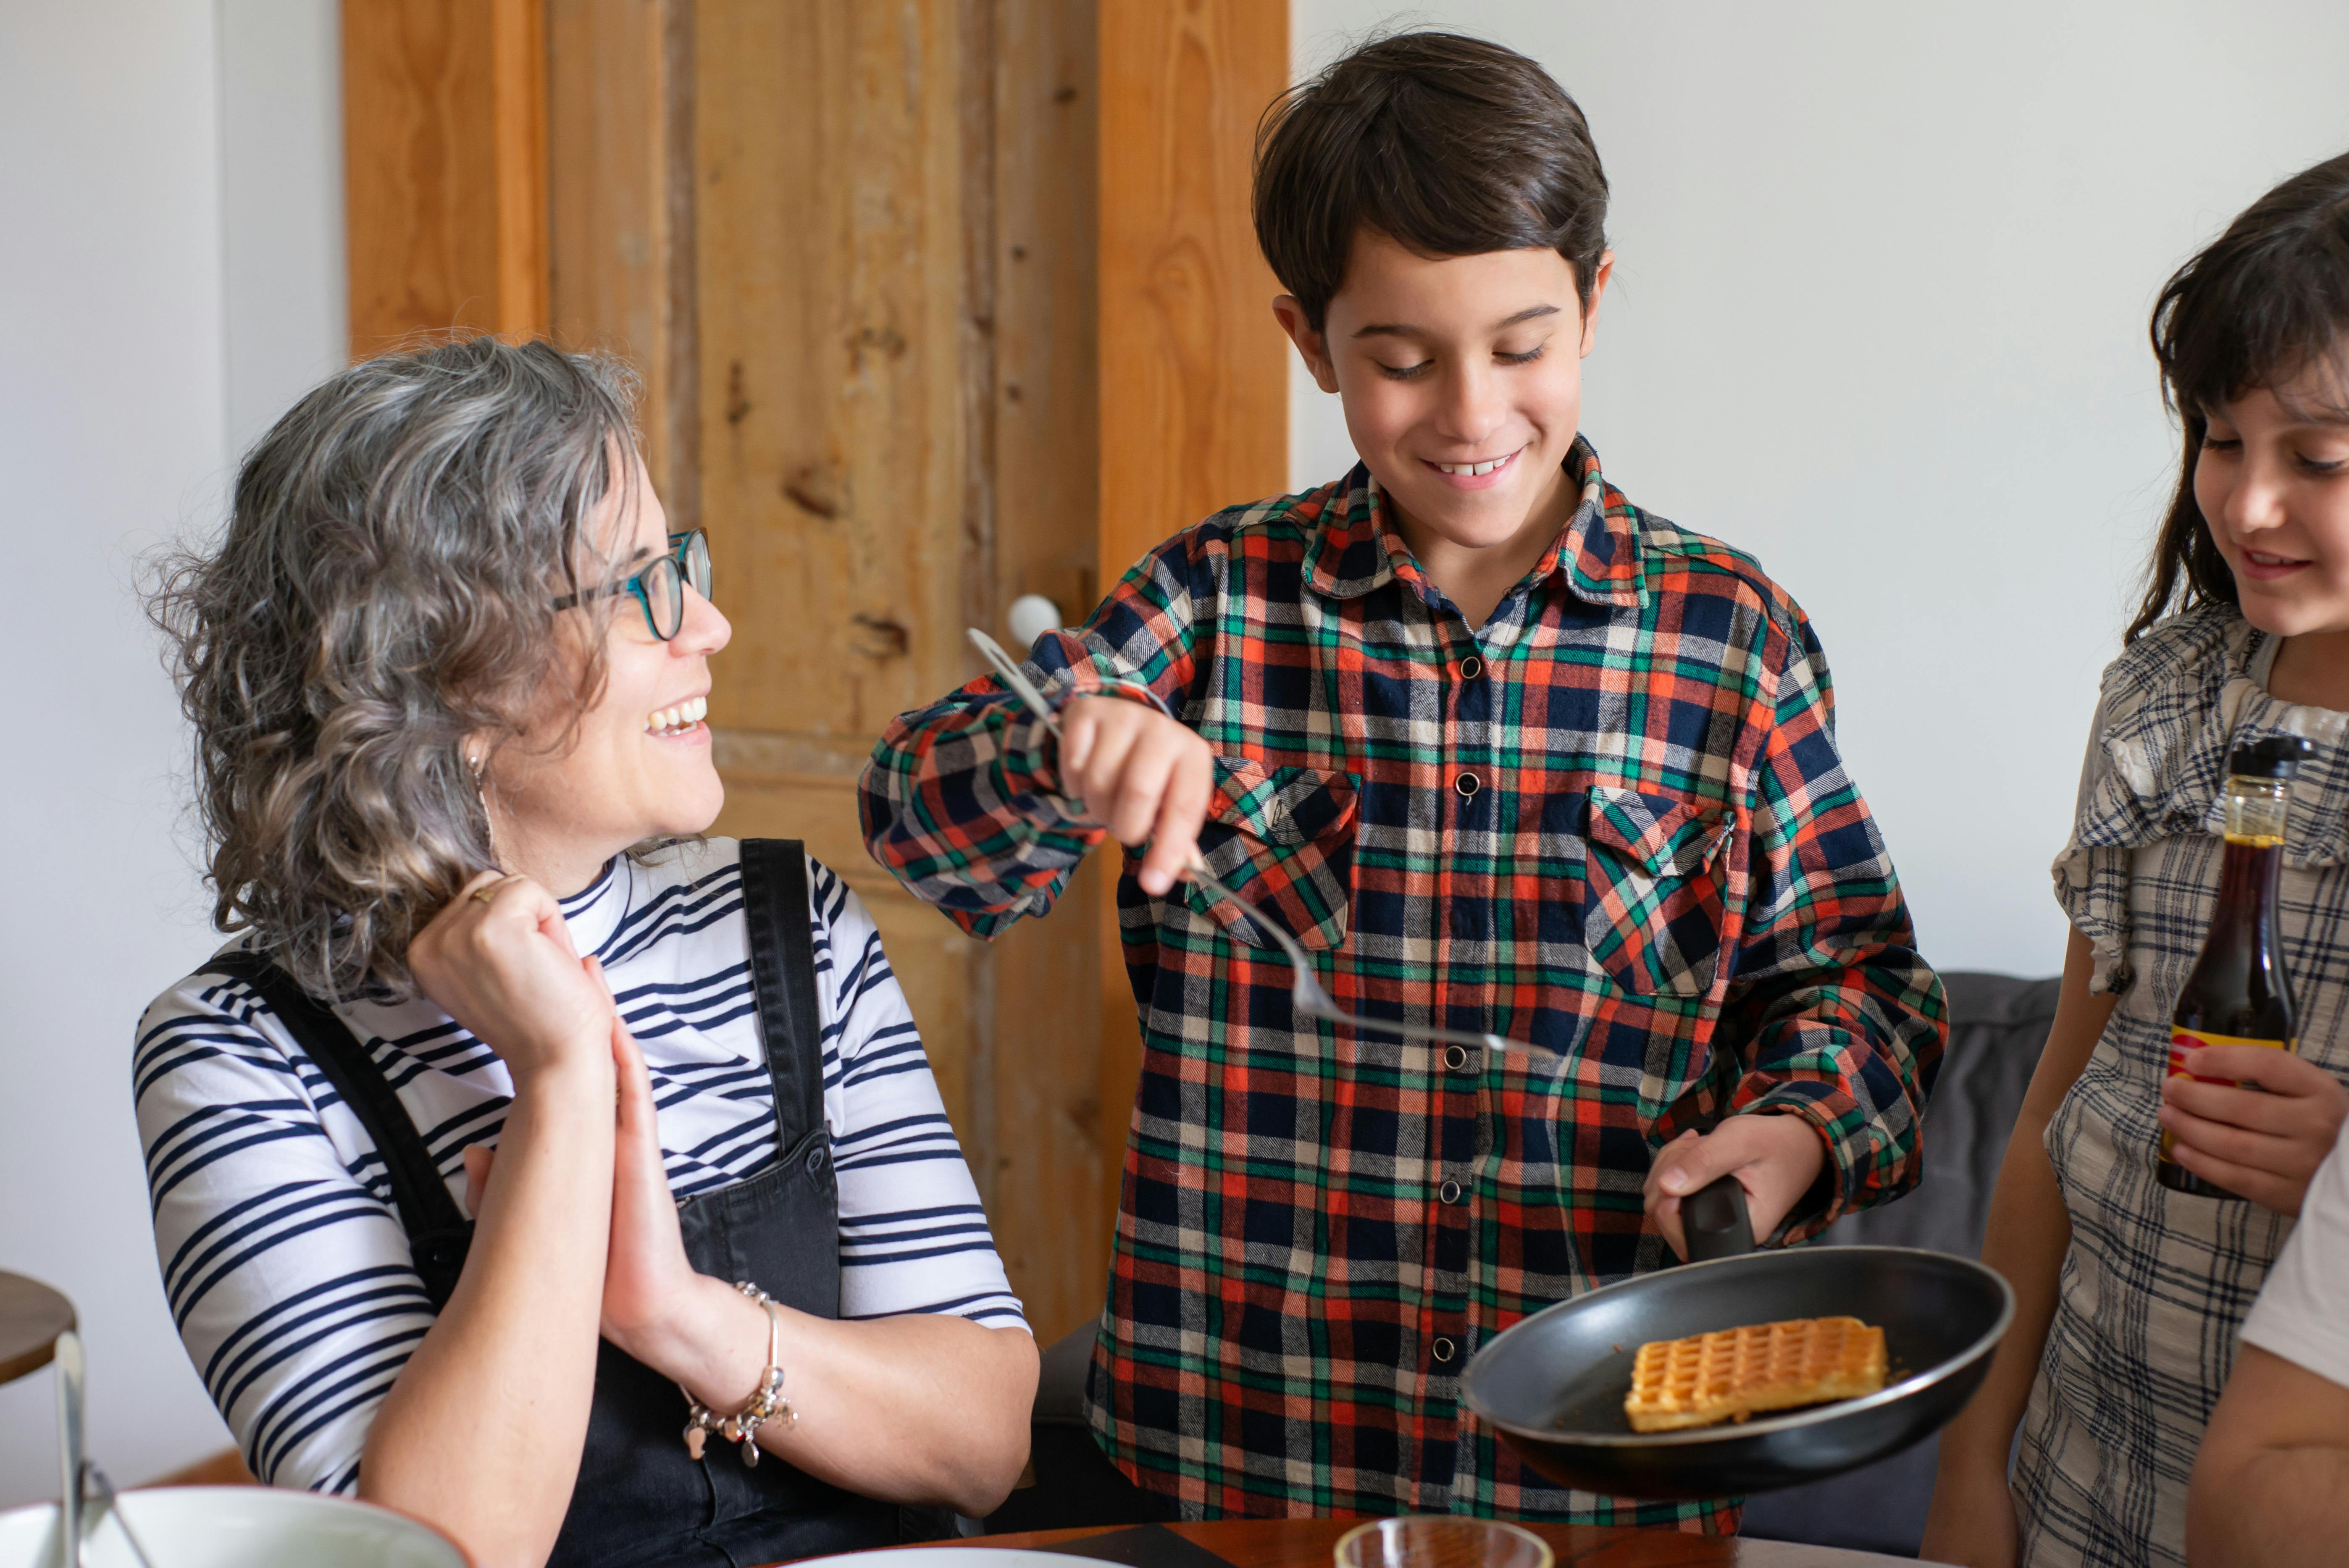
x=1282, y=839
x=1287, y=806
x=1663, y=835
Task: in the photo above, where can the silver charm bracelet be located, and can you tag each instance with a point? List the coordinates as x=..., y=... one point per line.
x=767, y=1405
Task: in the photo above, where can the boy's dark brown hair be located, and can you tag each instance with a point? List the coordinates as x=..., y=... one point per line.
x=1450, y=146
x=2262, y=303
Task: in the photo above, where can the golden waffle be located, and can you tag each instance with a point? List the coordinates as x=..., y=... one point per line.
x=1740, y=1372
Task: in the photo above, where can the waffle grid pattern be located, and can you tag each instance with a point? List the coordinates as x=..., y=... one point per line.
x=1735, y=1373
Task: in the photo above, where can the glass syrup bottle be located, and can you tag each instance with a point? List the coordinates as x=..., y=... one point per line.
x=2238, y=993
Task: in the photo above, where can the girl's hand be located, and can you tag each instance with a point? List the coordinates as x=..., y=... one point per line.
x=1143, y=776
x=504, y=967
x=1774, y=1157
x=2261, y=1146
x=646, y=1277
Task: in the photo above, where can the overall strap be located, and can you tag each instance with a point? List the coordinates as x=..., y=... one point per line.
x=437, y=1232
x=783, y=969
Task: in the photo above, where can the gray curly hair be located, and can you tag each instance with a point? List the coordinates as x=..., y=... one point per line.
x=383, y=594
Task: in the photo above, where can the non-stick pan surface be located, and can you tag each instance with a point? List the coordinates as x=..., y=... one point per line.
x=1554, y=1384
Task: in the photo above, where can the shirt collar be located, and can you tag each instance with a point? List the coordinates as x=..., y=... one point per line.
x=593, y=912
x=1595, y=555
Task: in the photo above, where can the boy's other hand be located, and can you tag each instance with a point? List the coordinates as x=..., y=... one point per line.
x=1141, y=775
x=1776, y=1157
x=2263, y=1145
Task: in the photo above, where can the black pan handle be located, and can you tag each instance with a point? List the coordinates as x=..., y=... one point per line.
x=1715, y=1223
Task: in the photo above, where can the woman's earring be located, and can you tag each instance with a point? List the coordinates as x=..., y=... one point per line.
x=481, y=767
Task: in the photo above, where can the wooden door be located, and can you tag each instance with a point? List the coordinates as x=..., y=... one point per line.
x=1194, y=372
x=893, y=275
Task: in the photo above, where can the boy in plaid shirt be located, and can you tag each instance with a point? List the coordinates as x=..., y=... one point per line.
x=1507, y=754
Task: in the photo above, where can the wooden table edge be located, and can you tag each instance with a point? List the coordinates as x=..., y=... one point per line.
x=1308, y=1542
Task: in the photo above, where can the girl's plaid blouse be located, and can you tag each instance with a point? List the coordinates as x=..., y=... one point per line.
x=2155, y=1284
x=1613, y=822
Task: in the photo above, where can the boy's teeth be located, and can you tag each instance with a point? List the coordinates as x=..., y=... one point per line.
x=1472, y=468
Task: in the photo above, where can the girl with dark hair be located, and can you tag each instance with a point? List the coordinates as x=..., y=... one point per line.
x=2130, y=1295
x=447, y=672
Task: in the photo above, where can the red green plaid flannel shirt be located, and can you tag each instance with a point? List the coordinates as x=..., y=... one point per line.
x=1613, y=821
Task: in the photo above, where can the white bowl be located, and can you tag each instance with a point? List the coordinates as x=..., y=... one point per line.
x=234, y=1527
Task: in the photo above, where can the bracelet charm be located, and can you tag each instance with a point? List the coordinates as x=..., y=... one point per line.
x=766, y=1404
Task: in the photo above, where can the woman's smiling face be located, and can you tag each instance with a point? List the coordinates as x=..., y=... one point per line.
x=2273, y=482
x=638, y=763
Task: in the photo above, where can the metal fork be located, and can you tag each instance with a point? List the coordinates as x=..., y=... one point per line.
x=1305, y=995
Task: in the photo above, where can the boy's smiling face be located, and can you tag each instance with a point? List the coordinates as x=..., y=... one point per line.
x=1462, y=380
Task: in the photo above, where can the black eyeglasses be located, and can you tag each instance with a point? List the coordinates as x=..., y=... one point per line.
x=660, y=586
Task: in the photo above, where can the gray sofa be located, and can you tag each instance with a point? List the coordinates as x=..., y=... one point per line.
x=1997, y=1026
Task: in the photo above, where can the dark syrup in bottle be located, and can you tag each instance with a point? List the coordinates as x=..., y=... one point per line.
x=2238, y=993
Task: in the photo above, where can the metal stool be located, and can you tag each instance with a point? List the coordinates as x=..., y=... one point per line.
x=37, y=1326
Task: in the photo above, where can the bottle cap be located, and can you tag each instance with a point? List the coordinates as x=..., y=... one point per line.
x=2276, y=757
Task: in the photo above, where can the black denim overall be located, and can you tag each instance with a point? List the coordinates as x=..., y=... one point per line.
x=640, y=1499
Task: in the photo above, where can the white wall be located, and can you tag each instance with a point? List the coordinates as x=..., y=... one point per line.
x=287, y=319
x=1880, y=319
x=151, y=308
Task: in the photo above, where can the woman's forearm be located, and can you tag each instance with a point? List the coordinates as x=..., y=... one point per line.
x=482, y=1433
x=923, y=1407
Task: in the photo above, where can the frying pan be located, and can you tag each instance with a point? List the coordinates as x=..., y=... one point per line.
x=1553, y=1385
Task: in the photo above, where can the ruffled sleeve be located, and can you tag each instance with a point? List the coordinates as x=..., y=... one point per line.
x=2092, y=879
x=2156, y=753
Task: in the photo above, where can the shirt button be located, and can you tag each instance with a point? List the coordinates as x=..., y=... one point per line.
x=1441, y=1349
x=1467, y=784
x=1471, y=667
x=1449, y=1192
x=1455, y=1057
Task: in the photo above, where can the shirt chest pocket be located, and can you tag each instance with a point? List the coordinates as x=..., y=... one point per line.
x=1283, y=840
x=1653, y=903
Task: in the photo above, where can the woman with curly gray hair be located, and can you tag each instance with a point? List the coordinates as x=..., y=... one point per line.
x=447, y=672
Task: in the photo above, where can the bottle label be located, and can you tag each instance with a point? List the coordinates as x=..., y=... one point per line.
x=2184, y=1040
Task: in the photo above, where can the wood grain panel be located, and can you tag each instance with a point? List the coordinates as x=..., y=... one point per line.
x=1055, y=1151
x=840, y=300
x=832, y=289
x=620, y=213
x=518, y=155
x=1194, y=373
x=936, y=304
x=896, y=244
x=444, y=167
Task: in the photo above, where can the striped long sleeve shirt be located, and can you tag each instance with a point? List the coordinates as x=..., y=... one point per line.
x=1612, y=820
x=284, y=1260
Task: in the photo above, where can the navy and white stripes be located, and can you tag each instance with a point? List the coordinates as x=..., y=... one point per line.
x=284, y=1260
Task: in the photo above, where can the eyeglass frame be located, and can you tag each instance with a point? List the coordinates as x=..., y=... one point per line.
x=680, y=547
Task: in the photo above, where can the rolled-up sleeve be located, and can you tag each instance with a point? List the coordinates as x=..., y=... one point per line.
x=962, y=801
x=1834, y=1015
